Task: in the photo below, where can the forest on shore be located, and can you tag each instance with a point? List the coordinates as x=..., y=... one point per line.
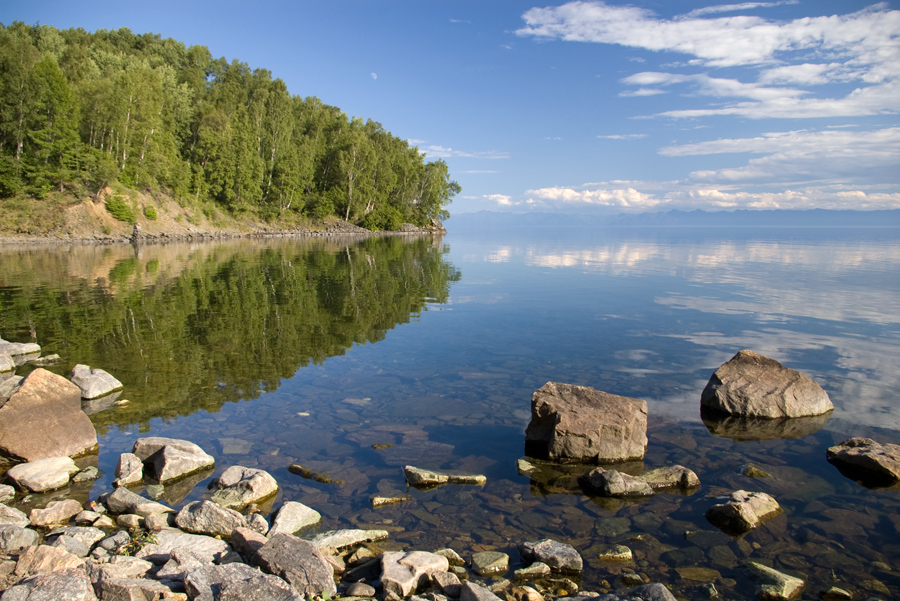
x=83, y=112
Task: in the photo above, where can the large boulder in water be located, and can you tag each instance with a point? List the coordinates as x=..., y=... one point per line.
x=579, y=424
x=94, y=383
x=43, y=418
x=753, y=385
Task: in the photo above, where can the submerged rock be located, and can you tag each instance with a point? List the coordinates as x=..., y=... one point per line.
x=743, y=511
x=752, y=385
x=238, y=486
x=867, y=461
x=612, y=483
x=774, y=585
x=579, y=424
x=428, y=478
x=557, y=555
x=675, y=476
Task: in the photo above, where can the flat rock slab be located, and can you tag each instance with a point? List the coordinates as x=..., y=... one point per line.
x=774, y=585
x=14, y=349
x=237, y=582
x=867, y=461
x=64, y=585
x=475, y=592
x=44, y=559
x=612, y=483
x=56, y=512
x=675, y=476
x=487, y=563
x=43, y=418
x=293, y=517
x=238, y=486
x=13, y=516
x=207, y=548
x=299, y=562
x=743, y=511
x=44, y=474
x=579, y=424
x=123, y=500
x=427, y=478
x=559, y=556
x=753, y=385
x=94, y=383
x=170, y=458
x=15, y=538
x=402, y=573
x=342, y=539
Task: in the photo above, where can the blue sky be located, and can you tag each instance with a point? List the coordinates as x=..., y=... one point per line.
x=582, y=106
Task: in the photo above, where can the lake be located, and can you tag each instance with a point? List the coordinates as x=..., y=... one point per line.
x=357, y=357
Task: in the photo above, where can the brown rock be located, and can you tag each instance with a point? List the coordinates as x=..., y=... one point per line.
x=865, y=460
x=580, y=424
x=43, y=418
x=753, y=385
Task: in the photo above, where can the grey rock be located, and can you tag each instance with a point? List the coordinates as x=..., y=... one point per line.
x=247, y=541
x=93, y=383
x=13, y=517
x=675, y=476
x=743, y=511
x=43, y=474
x=44, y=559
x=45, y=360
x=475, y=592
x=402, y=574
x=63, y=585
x=646, y=592
x=299, y=562
x=209, y=549
x=43, y=418
x=557, y=555
x=238, y=486
x=612, y=483
x=170, y=458
x=88, y=535
x=8, y=387
x=14, y=349
x=865, y=460
x=158, y=521
x=535, y=571
x=753, y=385
x=615, y=553
x=6, y=362
x=580, y=424
x=56, y=512
x=206, y=517
x=129, y=470
x=14, y=538
x=774, y=585
x=87, y=474
x=292, y=517
x=129, y=521
x=112, y=542
x=262, y=588
x=487, y=563
x=449, y=583
x=181, y=561
x=132, y=589
x=72, y=545
x=256, y=521
x=119, y=566
x=342, y=539
x=7, y=493
x=360, y=589
x=123, y=500
x=453, y=558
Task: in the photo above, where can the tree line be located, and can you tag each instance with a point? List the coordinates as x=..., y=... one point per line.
x=80, y=111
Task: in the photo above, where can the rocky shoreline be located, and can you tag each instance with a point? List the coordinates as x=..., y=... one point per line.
x=121, y=545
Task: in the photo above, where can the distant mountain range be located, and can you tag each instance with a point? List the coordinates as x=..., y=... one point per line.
x=698, y=218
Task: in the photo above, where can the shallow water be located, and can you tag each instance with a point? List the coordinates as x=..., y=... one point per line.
x=280, y=352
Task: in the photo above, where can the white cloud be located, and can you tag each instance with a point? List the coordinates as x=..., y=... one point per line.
x=374, y=75
x=500, y=199
x=623, y=136
x=861, y=48
x=803, y=155
x=727, y=8
x=440, y=152
x=648, y=196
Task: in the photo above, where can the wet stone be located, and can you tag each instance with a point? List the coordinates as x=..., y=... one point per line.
x=535, y=571
x=488, y=563
x=615, y=553
x=612, y=526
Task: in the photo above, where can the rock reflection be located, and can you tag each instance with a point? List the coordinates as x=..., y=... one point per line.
x=740, y=429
